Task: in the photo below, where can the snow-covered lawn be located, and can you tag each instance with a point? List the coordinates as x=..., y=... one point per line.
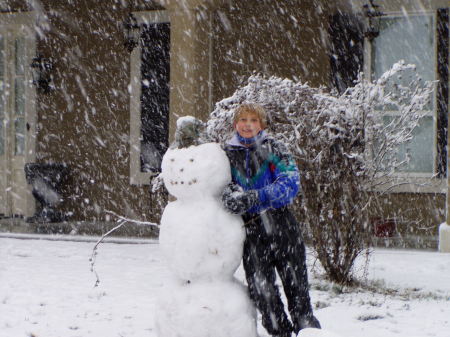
x=47, y=290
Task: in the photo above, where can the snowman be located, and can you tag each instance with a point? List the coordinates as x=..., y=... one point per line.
x=201, y=243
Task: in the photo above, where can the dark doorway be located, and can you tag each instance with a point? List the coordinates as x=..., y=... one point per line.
x=155, y=74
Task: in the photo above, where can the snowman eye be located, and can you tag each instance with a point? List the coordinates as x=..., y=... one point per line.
x=172, y=159
x=191, y=160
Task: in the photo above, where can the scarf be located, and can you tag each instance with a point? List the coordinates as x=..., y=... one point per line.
x=251, y=140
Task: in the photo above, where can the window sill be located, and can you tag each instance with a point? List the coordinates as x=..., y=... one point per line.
x=404, y=183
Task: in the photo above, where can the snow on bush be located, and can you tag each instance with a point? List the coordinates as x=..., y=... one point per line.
x=345, y=145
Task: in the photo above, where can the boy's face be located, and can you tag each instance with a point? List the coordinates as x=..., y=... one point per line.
x=248, y=125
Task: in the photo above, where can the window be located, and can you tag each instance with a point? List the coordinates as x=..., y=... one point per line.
x=17, y=111
x=410, y=38
x=420, y=39
x=2, y=95
x=149, y=89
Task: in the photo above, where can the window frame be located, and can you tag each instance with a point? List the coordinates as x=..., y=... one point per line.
x=417, y=182
x=136, y=176
x=22, y=202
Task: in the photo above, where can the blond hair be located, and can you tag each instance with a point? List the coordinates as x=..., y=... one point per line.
x=251, y=108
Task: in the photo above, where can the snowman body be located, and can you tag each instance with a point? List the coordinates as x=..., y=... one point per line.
x=200, y=241
x=202, y=245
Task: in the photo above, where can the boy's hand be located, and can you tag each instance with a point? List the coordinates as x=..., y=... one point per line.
x=238, y=201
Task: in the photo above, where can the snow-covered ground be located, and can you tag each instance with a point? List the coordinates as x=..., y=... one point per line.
x=47, y=290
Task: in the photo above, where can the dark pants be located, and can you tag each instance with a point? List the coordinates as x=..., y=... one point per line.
x=274, y=243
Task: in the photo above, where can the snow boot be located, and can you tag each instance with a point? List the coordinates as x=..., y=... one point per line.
x=309, y=322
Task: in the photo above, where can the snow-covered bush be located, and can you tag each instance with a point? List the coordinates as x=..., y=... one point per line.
x=343, y=145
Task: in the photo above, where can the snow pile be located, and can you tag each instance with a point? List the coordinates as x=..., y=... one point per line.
x=190, y=131
x=185, y=120
x=219, y=309
x=202, y=244
x=46, y=290
x=444, y=238
x=316, y=333
x=46, y=191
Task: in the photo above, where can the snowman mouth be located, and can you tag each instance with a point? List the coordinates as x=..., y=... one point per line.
x=182, y=182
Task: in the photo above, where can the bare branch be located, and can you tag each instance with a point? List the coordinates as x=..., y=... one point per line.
x=344, y=144
x=94, y=250
x=122, y=221
x=138, y=222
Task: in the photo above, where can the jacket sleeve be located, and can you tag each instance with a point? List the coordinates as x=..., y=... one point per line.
x=286, y=184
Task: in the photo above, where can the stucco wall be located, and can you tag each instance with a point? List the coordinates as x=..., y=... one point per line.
x=285, y=39
x=84, y=121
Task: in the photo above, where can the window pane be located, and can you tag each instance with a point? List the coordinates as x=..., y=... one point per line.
x=2, y=79
x=405, y=38
x=2, y=137
x=411, y=39
x=2, y=58
x=419, y=149
x=20, y=56
x=19, y=130
x=19, y=102
x=2, y=98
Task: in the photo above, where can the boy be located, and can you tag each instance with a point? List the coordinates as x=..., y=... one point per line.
x=265, y=180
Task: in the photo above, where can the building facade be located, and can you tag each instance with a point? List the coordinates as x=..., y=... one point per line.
x=104, y=101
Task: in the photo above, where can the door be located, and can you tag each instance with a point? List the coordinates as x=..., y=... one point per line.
x=17, y=113
x=155, y=74
x=149, y=96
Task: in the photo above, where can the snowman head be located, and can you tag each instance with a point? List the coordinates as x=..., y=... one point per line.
x=196, y=172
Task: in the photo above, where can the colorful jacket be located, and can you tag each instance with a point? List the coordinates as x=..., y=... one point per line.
x=266, y=167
